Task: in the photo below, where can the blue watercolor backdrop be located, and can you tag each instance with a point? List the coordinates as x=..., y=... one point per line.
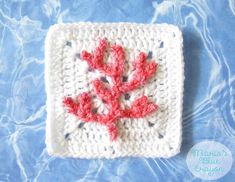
x=209, y=98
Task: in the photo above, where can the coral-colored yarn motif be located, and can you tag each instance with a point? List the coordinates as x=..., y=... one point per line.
x=143, y=71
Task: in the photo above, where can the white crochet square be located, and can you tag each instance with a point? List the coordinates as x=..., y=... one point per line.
x=156, y=135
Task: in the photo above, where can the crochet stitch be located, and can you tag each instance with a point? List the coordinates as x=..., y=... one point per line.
x=139, y=108
x=114, y=90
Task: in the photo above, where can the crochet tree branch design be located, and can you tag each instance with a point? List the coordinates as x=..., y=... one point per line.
x=143, y=71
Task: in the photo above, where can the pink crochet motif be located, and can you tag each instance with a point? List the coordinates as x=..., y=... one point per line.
x=143, y=71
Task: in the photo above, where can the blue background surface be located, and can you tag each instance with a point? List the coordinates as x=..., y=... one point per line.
x=209, y=98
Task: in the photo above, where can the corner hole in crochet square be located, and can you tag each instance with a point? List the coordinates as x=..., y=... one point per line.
x=150, y=124
x=150, y=55
x=66, y=136
x=77, y=55
x=160, y=136
x=81, y=125
x=68, y=43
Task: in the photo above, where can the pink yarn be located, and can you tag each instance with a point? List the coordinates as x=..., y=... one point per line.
x=143, y=71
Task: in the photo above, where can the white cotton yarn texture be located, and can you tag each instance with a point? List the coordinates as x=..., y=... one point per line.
x=158, y=134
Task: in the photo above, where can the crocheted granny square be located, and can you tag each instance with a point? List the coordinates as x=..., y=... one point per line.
x=113, y=90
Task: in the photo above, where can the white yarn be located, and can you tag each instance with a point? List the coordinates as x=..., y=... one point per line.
x=67, y=75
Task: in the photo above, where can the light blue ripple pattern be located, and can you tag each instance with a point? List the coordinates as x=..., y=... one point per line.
x=209, y=98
